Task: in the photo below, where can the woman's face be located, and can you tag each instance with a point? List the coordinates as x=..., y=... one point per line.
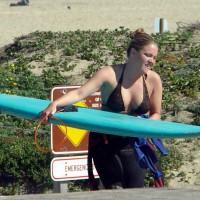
x=146, y=57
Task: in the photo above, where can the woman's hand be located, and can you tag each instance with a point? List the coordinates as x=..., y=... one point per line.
x=48, y=112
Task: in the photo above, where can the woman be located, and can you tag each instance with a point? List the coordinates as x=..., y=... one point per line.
x=131, y=88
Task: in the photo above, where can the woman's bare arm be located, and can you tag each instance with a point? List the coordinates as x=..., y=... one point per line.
x=76, y=95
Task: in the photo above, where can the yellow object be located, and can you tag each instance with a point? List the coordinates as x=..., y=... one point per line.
x=74, y=135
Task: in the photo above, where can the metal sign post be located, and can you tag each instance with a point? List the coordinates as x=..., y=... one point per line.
x=67, y=141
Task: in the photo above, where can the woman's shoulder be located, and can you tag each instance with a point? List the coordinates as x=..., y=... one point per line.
x=154, y=77
x=109, y=73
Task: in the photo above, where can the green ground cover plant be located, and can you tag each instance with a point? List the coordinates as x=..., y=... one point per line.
x=24, y=169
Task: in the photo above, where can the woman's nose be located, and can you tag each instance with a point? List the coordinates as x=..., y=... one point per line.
x=150, y=61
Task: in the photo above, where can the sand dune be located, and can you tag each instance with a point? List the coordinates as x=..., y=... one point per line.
x=65, y=15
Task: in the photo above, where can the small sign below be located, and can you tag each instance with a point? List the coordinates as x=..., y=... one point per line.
x=70, y=168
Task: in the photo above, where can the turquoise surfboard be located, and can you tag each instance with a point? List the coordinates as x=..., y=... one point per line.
x=97, y=120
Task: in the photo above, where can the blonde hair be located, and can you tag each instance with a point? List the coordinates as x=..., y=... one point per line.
x=139, y=40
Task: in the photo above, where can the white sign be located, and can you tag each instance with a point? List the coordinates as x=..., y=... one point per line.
x=70, y=168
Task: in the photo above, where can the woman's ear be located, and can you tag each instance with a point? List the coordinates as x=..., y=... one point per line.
x=133, y=51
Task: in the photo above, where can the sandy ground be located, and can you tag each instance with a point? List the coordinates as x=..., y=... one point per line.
x=65, y=15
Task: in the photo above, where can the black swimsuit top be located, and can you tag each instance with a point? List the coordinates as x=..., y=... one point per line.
x=116, y=104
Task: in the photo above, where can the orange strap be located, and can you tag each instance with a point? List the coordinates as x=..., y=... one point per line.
x=35, y=132
x=19, y=133
x=36, y=138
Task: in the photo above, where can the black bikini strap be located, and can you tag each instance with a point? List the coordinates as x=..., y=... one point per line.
x=121, y=78
x=145, y=91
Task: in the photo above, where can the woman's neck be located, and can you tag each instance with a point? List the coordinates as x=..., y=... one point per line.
x=132, y=71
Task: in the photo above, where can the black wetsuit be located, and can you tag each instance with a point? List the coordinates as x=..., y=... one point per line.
x=113, y=156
